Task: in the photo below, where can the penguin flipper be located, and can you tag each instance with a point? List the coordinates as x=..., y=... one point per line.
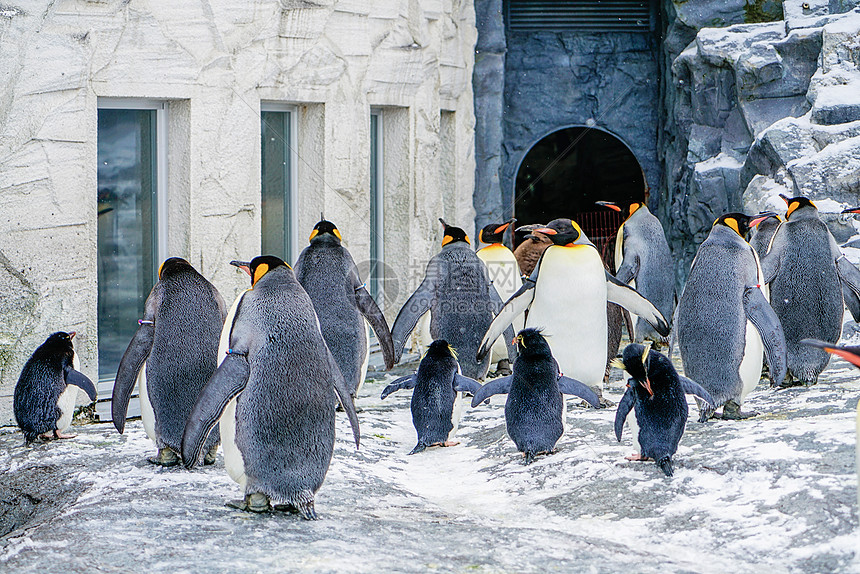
x=465, y=384
x=625, y=405
x=570, y=386
x=368, y=307
x=761, y=315
x=849, y=275
x=407, y=382
x=691, y=387
x=629, y=298
x=228, y=380
x=513, y=308
x=347, y=400
x=126, y=376
x=500, y=386
x=629, y=269
x=417, y=304
x=508, y=334
x=81, y=381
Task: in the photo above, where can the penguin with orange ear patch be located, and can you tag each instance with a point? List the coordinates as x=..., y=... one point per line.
x=456, y=290
x=807, y=272
x=505, y=277
x=724, y=323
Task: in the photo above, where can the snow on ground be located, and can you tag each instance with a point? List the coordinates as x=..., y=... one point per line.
x=778, y=491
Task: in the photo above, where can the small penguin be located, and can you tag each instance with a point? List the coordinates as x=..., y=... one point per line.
x=456, y=290
x=643, y=260
x=528, y=252
x=281, y=375
x=506, y=278
x=436, y=400
x=534, y=409
x=171, y=356
x=328, y=274
x=807, y=272
x=724, y=323
x=47, y=389
x=566, y=298
x=655, y=392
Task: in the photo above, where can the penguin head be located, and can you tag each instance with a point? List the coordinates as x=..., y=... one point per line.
x=60, y=343
x=171, y=265
x=742, y=223
x=562, y=231
x=453, y=234
x=325, y=230
x=259, y=266
x=635, y=359
x=633, y=208
x=531, y=343
x=795, y=203
x=494, y=232
x=440, y=349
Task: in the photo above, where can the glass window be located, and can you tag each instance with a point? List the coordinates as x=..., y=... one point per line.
x=277, y=145
x=376, y=252
x=128, y=238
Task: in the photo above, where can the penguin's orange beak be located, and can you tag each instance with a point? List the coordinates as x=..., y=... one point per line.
x=608, y=204
x=243, y=265
x=502, y=227
x=849, y=354
x=785, y=198
x=851, y=210
x=72, y=334
x=546, y=231
x=761, y=217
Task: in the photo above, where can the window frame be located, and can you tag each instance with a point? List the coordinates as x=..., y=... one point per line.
x=377, y=202
x=291, y=196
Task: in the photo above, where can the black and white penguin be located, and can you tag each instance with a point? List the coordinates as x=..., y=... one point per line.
x=437, y=396
x=724, y=324
x=328, y=274
x=534, y=409
x=280, y=376
x=456, y=290
x=762, y=234
x=643, y=260
x=47, y=389
x=506, y=279
x=656, y=393
x=566, y=298
x=171, y=356
x=806, y=272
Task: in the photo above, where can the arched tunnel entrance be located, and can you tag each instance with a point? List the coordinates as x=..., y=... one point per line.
x=565, y=172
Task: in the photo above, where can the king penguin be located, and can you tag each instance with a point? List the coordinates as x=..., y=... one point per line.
x=328, y=274
x=806, y=272
x=171, y=356
x=282, y=377
x=643, y=260
x=505, y=276
x=456, y=290
x=566, y=299
x=534, y=409
x=724, y=323
x=47, y=389
x=656, y=393
x=762, y=234
x=437, y=396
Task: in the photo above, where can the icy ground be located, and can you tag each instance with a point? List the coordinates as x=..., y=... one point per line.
x=777, y=493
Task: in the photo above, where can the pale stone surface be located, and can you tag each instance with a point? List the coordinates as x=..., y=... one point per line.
x=214, y=62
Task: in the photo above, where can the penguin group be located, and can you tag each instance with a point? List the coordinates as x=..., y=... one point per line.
x=264, y=377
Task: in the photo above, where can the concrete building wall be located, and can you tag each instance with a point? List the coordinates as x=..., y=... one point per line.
x=213, y=63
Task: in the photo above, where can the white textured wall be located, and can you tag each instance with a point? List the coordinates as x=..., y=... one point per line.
x=215, y=60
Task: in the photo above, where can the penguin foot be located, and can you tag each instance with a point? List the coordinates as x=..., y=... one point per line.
x=209, y=458
x=418, y=448
x=705, y=413
x=732, y=412
x=529, y=458
x=254, y=502
x=45, y=436
x=58, y=434
x=503, y=368
x=637, y=457
x=449, y=443
x=665, y=465
x=339, y=409
x=166, y=457
x=306, y=510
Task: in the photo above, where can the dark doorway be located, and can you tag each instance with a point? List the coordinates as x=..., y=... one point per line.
x=564, y=173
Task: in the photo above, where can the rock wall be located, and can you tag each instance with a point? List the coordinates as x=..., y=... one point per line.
x=214, y=62
x=757, y=109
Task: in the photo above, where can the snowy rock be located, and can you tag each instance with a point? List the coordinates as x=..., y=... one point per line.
x=763, y=194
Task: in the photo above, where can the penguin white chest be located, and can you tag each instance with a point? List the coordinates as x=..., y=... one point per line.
x=66, y=403
x=234, y=464
x=570, y=307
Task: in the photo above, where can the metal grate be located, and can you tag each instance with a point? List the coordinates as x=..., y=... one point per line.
x=601, y=228
x=582, y=15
